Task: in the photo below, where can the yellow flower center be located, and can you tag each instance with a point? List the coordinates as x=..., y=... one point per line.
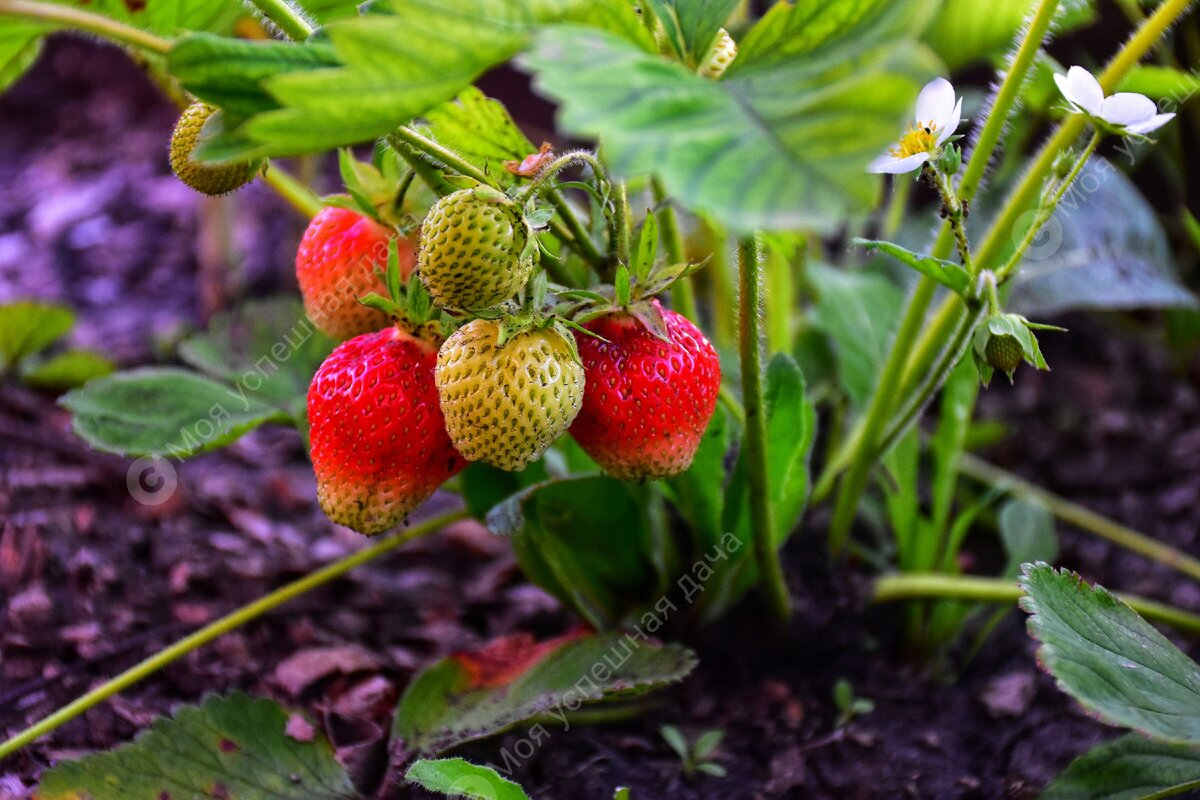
x=921, y=139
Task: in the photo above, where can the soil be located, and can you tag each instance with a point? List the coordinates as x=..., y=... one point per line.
x=91, y=581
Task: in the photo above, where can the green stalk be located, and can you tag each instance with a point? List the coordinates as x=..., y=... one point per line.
x=621, y=236
x=683, y=293
x=86, y=21
x=750, y=330
x=287, y=186
x=286, y=17
x=931, y=585
x=781, y=290
x=220, y=627
x=1082, y=518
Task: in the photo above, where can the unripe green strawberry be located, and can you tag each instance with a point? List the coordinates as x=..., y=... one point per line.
x=338, y=261
x=722, y=54
x=648, y=399
x=379, y=444
x=471, y=250
x=1004, y=353
x=211, y=179
x=505, y=404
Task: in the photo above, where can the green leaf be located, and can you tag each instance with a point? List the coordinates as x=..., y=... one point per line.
x=28, y=327
x=230, y=72
x=456, y=777
x=675, y=740
x=707, y=743
x=398, y=64
x=1129, y=768
x=163, y=411
x=480, y=130
x=587, y=542
x=953, y=276
x=1160, y=83
x=1027, y=532
x=777, y=148
x=1104, y=248
x=1109, y=659
x=20, y=45
x=235, y=747
x=326, y=11
x=859, y=311
x=66, y=370
x=791, y=430
x=817, y=29
x=267, y=350
x=691, y=26
x=461, y=698
x=698, y=493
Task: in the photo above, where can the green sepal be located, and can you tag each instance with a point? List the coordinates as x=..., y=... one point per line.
x=647, y=248
x=621, y=285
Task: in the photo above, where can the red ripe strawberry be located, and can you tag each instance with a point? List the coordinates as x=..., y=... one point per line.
x=338, y=262
x=379, y=443
x=648, y=400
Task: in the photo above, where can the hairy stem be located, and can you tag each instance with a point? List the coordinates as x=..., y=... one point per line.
x=683, y=293
x=86, y=21
x=287, y=186
x=931, y=585
x=286, y=17
x=220, y=627
x=750, y=330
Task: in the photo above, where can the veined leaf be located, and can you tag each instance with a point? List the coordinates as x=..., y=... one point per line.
x=473, y=695
x=774, y=148
x=230, y=72
x=1110, y=659
x=399, y=63
x=163, y=411
x=480, y=130
x=457, y=777
x=235, y=747
x=1130, y=768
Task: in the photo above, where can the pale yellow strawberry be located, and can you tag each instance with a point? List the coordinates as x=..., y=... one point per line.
x=505, y=404
x=211, y=179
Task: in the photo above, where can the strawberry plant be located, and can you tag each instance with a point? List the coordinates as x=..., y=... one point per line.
x=613, y=355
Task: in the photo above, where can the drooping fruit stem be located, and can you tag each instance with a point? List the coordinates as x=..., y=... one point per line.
x=222, y=626
x=86, y=21
x=750, y=329
x=937, y=585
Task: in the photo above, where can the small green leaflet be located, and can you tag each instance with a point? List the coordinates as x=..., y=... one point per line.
x=691, y=26
x=480, y=130
x=235, y=746
x=947, y=273
x=1109, y=659
x=457, y=777
x=28, y=327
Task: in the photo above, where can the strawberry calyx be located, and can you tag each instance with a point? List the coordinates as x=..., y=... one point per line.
x=408, y=304
x=375, y=192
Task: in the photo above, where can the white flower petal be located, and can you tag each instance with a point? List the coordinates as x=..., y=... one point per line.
x=935, y=102
x=1127, y=108
x=1082, y=89
x=947, y=127
x=891, y=165
x=1152, y=124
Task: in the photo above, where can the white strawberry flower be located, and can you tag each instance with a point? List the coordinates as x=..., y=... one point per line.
x=1122, y=113
x=936, y=119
